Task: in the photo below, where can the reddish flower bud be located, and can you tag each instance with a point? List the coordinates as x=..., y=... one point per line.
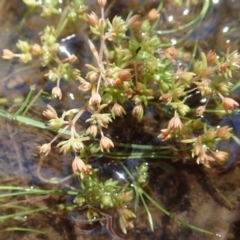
x=92, y=19
x=200, y=110
x=229, y=103
x=175, y=123
x=170, y=53
x=224, y=133
x=125, y=74
x=36, y=50
x=222, y=68
x=153, y=15
x=210, y=56
x=134, y=22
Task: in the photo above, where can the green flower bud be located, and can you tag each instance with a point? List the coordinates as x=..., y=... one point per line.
x=92, y=130
x=117, y=28
x=154, y=42
x=106, y=201
x=23, y=46
x=101, y=25
x=55, y=124
x=76, y=144
x=79, y=200
x=126, y=196
x=187, y=76
x=182, y=109
x=65, y=146
x=25, y=57
x=143, y=168
x=142, y=179
x=164, y=86
x=126, y=217
x=209, y=135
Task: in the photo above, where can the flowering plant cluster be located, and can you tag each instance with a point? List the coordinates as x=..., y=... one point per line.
x=131, y=69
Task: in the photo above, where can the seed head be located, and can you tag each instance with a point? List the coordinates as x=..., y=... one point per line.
x=79, y=166
x=205, y=159
x=200, y=110
x=95, y=99
x=36, y=50
x=92, y=130
x=106, y=143
x=50, y=113
x=57, y=92
x=45, y=148
x=175, y=123
x=86, y=86
x=102, y=3
x=7, y=54
x=117, y=110
x=221, y=157
x=229, y=103
x=125, y=219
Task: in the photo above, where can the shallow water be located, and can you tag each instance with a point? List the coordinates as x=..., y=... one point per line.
x=187, y=191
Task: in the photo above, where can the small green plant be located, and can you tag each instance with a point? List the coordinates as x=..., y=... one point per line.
x=131, y=68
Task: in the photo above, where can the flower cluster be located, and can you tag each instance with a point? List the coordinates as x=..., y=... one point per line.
x=130, y=72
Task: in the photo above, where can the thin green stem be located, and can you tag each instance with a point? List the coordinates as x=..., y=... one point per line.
x=32, y=102
x=159, y=8
x=25, y=230
x=150, y=220
x=26, y=102
x=142, y=193
x=26, y=15
x=29, y=121
x=236, y=139
x=62, y=22
x=223, y=197
x=30, y=191
x=12, y=206
x=201, y=15
x=120, y=156
x=175, y=218
x=29, y=212
x=141, y=146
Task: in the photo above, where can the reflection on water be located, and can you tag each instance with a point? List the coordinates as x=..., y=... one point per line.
x=188, y=191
